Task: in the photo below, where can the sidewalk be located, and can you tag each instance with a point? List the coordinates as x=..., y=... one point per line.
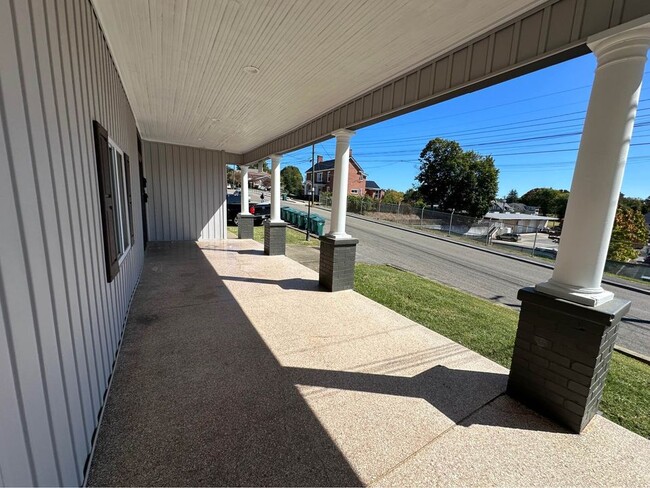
x=224, y=379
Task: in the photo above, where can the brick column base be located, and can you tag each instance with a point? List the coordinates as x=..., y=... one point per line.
x=245, y=226
x=275, y=238
x=336, y=270
x=561, y=356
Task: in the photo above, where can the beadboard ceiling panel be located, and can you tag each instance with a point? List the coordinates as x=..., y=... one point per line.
x=181, y=61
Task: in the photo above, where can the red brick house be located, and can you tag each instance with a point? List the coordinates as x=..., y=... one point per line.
x=324, y=177
x=373, y=190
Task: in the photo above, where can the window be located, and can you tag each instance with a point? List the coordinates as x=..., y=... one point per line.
x=114, y=186
x=354, y=191
x=319, y=177
x=120, y=209
x=329, y=176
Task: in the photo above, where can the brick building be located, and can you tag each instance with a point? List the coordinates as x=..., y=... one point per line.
x=373, y=190
x=324, y=177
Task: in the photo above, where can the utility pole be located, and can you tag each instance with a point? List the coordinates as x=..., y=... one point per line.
x=310, y=201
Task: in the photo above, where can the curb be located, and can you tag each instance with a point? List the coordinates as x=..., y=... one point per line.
x=632, y=354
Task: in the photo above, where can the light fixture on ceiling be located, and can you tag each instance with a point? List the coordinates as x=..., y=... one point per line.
x=253, y=70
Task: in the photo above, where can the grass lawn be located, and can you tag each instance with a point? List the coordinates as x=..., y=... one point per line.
x=463, y=318
x=293, y=236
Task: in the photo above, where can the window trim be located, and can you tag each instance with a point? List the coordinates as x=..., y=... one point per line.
x=354, y=191
x=121, y=206
x=319, y=177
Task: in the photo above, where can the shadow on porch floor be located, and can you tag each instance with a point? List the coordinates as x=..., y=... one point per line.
x=236, y=369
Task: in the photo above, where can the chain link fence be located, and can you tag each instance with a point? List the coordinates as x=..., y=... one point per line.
x=532, y=241
x=427, y=219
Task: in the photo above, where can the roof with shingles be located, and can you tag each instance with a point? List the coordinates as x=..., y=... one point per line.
x=329, y=164
x=372, y=185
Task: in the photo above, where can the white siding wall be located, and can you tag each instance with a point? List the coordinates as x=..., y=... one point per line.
x=187, y=192
x=60, y=322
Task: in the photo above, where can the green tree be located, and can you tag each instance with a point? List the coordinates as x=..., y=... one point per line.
x=560, y=203
x=393, y=196
x=629, y=233
x=414, y=197
x=549, y=200
x=291, y=180
x=456, y=179
x=513, y=196
x=637, y=204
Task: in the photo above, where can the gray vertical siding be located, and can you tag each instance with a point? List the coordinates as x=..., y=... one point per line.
x=187, y=191
x=60, y=322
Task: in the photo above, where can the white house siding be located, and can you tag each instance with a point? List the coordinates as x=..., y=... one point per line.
x=187, y=191
x=60, y=321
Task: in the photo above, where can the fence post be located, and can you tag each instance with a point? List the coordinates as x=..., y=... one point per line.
x=451, y=219
x=535, y=242
x=422, y=218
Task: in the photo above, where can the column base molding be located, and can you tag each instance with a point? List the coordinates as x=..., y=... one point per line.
x=562, y=354
x=591, y=297
x=338, y=236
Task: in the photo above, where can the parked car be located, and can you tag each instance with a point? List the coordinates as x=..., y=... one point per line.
x=234, y=207
x=509, y=236
x=263, y=210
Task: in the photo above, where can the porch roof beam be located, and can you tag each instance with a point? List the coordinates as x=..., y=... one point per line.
x=548, y=34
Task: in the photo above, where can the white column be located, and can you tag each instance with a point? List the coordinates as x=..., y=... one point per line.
x=621, y=54
x=275, y=188
x=244, y=190
x=340, y=188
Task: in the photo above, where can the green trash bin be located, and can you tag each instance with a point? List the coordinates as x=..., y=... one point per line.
x=319, y=225
x=293, y=217
x=284, y=196
x=289, y=215
x=302, y=219
x=283, y=213
x=311, y=225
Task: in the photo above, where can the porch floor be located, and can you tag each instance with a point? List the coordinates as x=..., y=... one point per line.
x=236, y=369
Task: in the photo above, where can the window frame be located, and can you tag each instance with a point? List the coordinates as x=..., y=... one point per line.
x=354, y=191
x=121, y=206
x=319, y=177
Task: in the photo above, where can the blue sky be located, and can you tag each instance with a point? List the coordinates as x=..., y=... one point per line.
x=530, y=125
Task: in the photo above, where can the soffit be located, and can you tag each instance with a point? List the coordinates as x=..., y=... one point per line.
x=181, y=60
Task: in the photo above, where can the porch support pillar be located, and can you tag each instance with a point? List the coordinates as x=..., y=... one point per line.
x=275, y=188
x=275, y=230
x=599, y=168
x=340, y=189
x=244, y=210
x=246, y=221
x=338, y=248
x=568, y=325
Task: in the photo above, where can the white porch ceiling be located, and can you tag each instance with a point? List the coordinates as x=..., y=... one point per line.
x=182, y=61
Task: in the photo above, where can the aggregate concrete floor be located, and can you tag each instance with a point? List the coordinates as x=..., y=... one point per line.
x=236, y=369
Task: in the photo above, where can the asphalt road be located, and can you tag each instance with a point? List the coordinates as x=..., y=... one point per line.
x=496, y=278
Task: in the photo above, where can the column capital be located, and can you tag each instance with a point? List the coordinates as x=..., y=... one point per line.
x=622, y=42
x=343, y=133
x=275, y=157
